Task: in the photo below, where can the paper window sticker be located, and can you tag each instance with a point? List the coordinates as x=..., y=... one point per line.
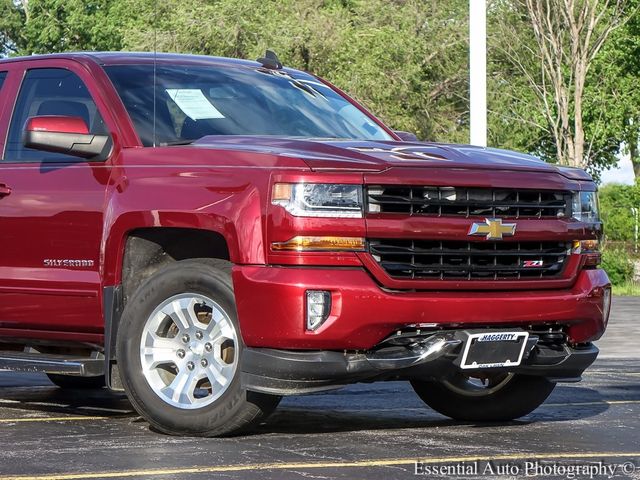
x=194, y=104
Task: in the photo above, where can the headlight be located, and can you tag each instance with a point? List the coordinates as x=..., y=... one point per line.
x=319, y=199
x=585, y=206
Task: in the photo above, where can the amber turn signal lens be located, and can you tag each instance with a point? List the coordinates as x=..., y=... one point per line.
x=281, y=192
x=584, y=246
x=590, y=249
x=590, y=245
x=320, y=244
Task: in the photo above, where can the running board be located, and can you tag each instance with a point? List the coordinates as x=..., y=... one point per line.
x=48, y=363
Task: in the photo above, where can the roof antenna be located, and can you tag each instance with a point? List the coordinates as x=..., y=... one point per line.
x=270, y=60
x=155, y=55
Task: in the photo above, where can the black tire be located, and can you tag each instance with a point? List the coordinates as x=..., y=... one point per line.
x=236, y=410
x=70, y=382
x=518, y=396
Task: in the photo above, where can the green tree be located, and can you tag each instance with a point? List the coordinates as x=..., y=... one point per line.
x=616, y=204
x=619, y=67
x=44, y=26
x=556, y=93
x=406, y=60
x=618, y=266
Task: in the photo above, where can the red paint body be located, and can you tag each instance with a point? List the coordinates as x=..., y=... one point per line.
x=86, y=210
x=363, y=314
x=56, y=123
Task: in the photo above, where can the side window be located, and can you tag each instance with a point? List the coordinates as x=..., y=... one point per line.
x=50, y=91
x=2, y=77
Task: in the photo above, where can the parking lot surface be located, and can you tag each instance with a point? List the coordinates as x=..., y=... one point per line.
x=373, y=431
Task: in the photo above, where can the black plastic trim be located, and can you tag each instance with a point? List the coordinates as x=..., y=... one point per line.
x=33, y=361
x=285, y=372
x=88, y=146
x=112, y=305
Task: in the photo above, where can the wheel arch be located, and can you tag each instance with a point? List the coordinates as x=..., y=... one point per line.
x=141, y=252
x=147, y=250
x=126, y=225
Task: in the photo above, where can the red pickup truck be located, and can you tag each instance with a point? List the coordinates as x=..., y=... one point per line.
x=210, y=234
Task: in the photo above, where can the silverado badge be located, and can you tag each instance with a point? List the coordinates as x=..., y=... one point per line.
x=493, y=229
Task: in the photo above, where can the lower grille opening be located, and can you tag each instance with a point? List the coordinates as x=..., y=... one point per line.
x=455, y=260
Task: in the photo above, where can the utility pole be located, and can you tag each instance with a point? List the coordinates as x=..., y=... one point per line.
x=478, y=72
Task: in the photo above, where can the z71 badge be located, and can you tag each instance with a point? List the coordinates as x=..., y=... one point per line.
x=533, y=263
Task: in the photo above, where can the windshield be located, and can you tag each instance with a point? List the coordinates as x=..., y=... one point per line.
x=196, y=101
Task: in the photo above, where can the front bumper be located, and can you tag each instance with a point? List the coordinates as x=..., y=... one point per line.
x=286, y=372
x=271, y=309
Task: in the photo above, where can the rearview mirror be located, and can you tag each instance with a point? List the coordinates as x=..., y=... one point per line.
x=406, y=136
x=68, y=135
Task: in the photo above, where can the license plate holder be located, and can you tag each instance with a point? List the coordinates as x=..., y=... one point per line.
x=494, y=350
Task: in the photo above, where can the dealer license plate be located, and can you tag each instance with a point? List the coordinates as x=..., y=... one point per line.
x=494, y=349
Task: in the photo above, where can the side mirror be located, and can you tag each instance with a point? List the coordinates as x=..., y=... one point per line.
x=68, y=135
x=406, y=136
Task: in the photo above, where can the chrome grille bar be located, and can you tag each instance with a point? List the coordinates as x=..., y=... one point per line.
x=468, y=202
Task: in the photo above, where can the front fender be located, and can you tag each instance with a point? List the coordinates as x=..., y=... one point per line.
x=230, y=203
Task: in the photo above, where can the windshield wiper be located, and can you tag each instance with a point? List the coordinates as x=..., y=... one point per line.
x=178, y=142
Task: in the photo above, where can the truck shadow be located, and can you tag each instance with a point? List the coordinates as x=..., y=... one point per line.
x=31, y=393
x=356, y=408
x=299, y=415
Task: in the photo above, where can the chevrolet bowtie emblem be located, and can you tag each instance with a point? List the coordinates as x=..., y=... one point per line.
x=493, y=229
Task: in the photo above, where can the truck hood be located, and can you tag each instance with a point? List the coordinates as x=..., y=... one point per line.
x=332, y=154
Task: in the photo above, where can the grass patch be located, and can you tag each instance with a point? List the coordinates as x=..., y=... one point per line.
x=627, y=289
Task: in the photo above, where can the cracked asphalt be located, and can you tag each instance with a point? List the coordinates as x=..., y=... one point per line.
x=372, y=431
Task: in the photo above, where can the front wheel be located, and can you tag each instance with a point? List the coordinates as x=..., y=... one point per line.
x=180, y=351
x=485, y=398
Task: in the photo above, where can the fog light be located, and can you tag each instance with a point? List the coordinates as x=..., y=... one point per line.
x=318, y=308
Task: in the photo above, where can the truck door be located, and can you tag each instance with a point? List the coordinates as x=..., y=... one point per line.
x=51, y=214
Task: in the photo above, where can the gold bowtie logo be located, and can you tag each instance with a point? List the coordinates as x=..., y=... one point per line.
x=493, y=229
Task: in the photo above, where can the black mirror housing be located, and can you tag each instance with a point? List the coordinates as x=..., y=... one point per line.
x=65, y=135
x=77, y=144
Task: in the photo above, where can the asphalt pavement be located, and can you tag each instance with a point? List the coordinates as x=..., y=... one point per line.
x=372, y=431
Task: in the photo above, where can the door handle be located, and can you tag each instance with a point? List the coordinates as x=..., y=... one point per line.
x=4, y=190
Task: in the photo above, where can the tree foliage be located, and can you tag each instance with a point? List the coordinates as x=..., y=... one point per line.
x=402, y=62
x=43, y=26
x=618, y=266
x=617, y=203
x=553, y=63
x=618, y=67
x=404, y=59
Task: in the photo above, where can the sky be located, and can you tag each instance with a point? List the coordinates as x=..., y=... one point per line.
x=623, y=173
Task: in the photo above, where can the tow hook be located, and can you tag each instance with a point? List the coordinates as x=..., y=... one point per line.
x=429, y=349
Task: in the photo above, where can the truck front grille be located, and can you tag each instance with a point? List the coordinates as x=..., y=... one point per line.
x=462, y=201
x=455, y=260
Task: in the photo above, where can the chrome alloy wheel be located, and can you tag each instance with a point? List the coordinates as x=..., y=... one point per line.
x=189, y=351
